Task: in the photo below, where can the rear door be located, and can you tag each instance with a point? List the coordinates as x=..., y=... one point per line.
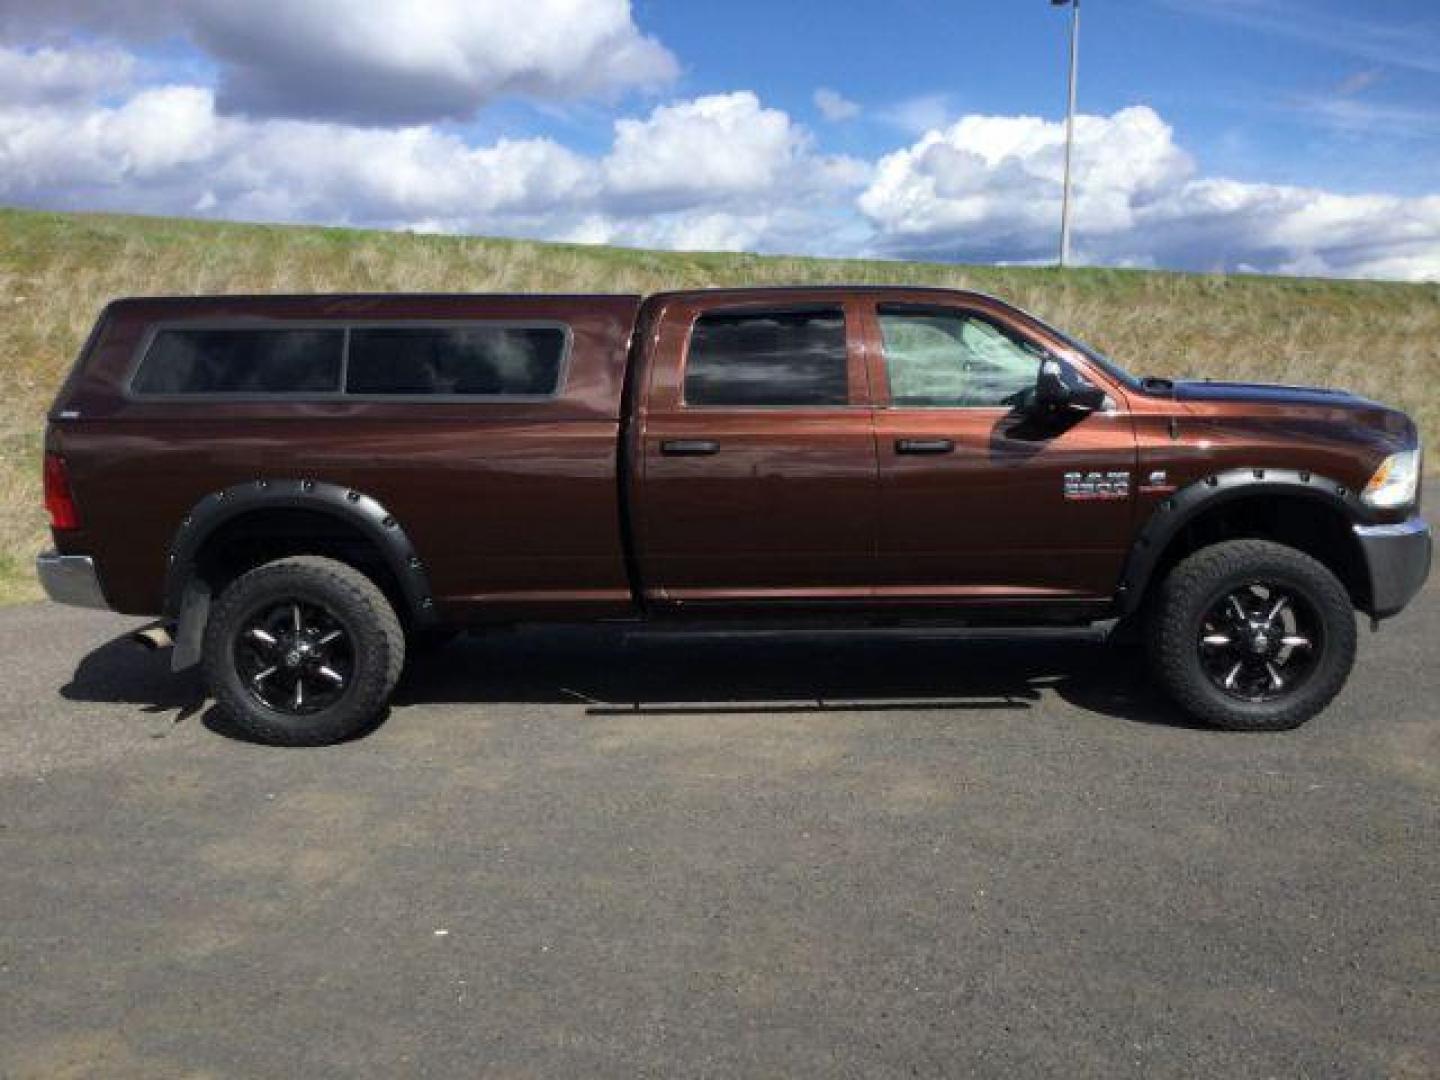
x=978, y=502
x=757, y=471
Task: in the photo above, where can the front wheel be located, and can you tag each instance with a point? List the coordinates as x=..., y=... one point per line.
x=1251, y=635
x=303, y=651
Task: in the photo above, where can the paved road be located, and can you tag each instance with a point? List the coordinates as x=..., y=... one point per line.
x=567, y=854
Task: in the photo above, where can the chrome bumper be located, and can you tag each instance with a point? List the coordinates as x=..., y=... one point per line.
x=70, y=579
x=1397, y=560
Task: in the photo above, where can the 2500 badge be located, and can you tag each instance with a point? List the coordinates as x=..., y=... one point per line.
x=1097, y=485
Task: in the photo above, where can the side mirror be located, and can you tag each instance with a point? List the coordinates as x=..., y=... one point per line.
x=1059, y=386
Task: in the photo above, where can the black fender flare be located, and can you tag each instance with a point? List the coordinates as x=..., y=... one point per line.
x=1202, y=496
x=187, y=599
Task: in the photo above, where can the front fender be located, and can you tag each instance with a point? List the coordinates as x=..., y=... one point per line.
x=1187, y=504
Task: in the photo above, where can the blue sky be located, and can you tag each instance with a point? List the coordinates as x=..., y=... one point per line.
x=1264, y=135
x=1246, y=84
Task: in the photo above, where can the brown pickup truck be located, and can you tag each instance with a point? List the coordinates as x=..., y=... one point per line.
x=301, y=487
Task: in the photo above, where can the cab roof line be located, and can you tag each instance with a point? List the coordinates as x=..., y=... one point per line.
x=839, y=287
x=707, y=290
x=210, y=298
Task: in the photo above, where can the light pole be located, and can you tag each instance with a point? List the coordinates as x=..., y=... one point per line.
x=1074, y=6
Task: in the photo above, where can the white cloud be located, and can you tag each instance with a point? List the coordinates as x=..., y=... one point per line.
x=44, y=75
x=308, y=172
x=692, y=230
x=1213, y=223
x=169, y=149
x=989, y=188
x=147, y=143
x=835, y=106
x=719, y=172
x=722, y=150
x=917, y=115
x=725, y=144
x=716, y=172
x=383, y=61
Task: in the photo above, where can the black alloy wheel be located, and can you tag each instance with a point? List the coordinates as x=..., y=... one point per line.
x=295, y=657
x=1260, y=642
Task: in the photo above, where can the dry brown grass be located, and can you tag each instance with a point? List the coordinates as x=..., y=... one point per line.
x=57, y=270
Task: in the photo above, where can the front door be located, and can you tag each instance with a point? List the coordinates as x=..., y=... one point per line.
x=979, y=501
x=758, y=479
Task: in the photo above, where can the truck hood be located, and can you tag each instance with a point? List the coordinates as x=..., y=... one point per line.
x=1350, y=410
x=1271, y=394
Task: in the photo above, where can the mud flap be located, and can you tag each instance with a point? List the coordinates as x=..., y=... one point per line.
x=190, y=627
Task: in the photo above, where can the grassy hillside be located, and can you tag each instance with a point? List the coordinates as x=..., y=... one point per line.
x=56, y=270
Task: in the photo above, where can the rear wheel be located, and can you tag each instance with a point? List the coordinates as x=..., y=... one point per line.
x=1252, y=636
x=303, y=651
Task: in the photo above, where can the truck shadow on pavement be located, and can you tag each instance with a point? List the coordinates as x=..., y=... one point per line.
x=607, y=672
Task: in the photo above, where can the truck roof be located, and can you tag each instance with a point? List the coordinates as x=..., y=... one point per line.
x=211, y=298
x=748, y=291
x=849, y=289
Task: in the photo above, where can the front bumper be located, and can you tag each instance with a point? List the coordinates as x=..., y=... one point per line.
x=70, y=579
x=1397, y=560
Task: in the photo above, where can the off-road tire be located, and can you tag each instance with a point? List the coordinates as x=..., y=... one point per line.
x=376, y=638
x=1188, y=592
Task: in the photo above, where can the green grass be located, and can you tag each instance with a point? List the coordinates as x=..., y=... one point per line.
x=57, y=270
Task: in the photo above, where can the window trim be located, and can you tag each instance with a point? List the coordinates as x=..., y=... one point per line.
x=921, y=308
x=764, y=308
x=345, y=326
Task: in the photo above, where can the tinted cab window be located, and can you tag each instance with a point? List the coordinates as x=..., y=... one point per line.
x=773, y=358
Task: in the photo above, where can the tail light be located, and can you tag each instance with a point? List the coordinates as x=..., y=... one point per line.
x=58, y=499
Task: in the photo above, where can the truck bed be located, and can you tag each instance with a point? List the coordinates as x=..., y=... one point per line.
x=513, y=502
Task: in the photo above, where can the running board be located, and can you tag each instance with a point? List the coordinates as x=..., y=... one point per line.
x=1098, y=632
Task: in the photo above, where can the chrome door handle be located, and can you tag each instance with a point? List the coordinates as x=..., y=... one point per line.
x=689, y=447
x=924, y=446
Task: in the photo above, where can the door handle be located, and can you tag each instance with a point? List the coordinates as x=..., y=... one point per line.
x=689, y=447
x=924, y=446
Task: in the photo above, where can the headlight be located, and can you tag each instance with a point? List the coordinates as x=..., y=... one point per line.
x=1395, y=482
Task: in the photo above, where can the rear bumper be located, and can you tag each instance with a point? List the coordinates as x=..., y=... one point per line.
x=1397, y=560
x=70, y=579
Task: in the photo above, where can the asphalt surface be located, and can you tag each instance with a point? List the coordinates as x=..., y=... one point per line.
x=572, y=854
